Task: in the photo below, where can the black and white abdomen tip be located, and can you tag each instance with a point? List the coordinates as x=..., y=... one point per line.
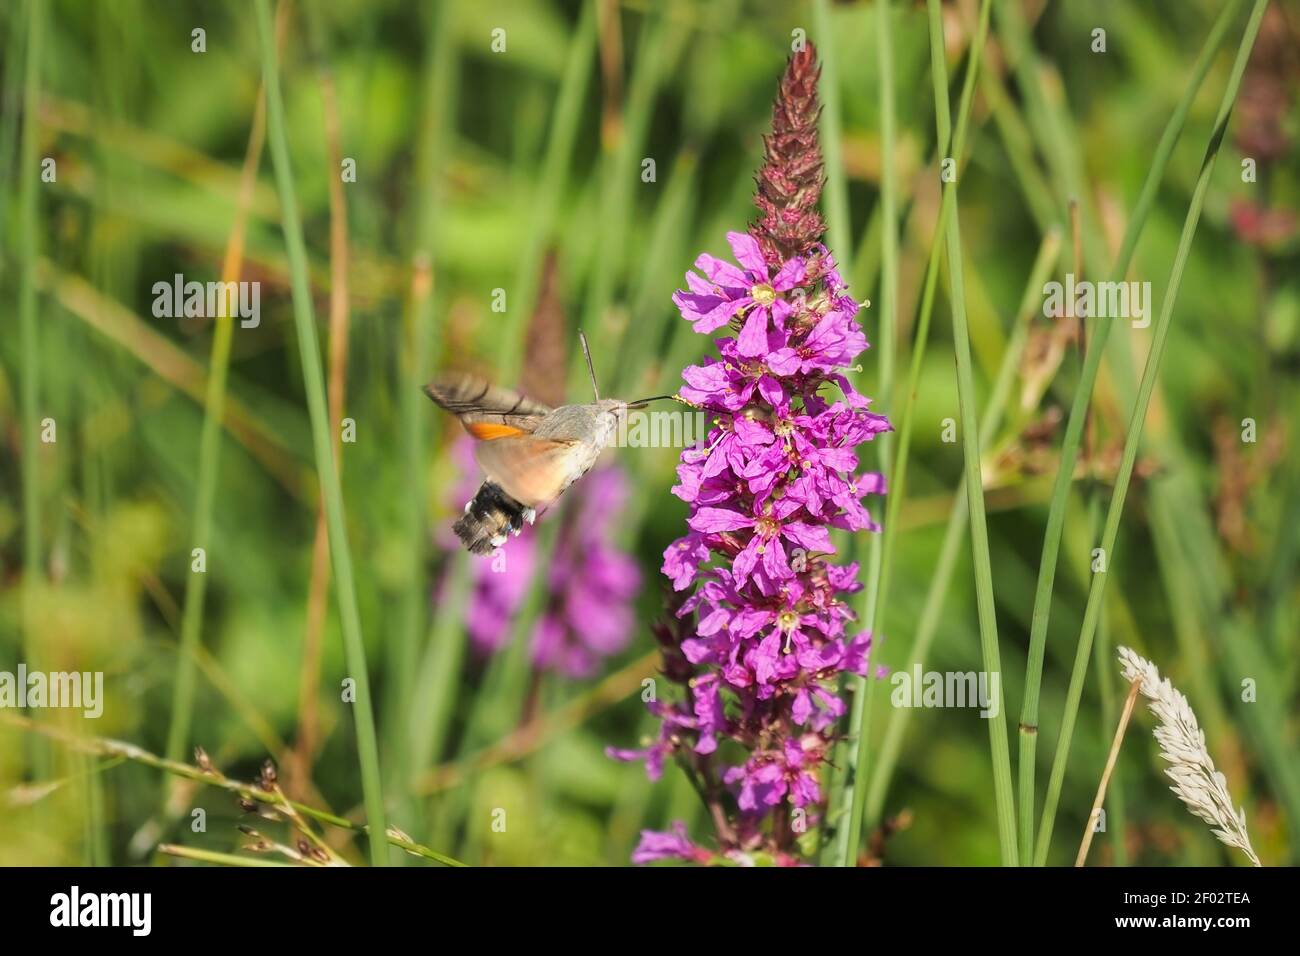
x=490, y=517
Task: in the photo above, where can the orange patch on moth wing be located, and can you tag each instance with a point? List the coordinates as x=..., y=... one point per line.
x=487, y=431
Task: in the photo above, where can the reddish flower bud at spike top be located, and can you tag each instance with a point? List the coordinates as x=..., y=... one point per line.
x=791, y=177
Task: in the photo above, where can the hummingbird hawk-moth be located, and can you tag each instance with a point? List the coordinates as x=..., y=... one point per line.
x=529, y=452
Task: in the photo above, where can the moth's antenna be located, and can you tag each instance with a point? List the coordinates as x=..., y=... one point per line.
x=590, y=371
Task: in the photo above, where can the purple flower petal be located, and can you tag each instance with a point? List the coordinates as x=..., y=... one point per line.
x=809, y=536
x=714, y=520
x=748, y=253
x=667, y=846
x=722, y=273
x=753, y=336
x=791, y=275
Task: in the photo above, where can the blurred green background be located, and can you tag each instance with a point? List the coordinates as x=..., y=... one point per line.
x=522, y=170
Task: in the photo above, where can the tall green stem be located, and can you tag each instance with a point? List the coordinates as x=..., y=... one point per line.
x=550, y=188
x=1001, y=750
x=953, y=147
x=848, y=834
x=836, y=201
x=411, y=739
x=214, y=404
x=331, y=490
x=29, y=179
x=1096, y=591
x=932, y=608
x=28, y=251
x=837, y=196
x=1074, y=434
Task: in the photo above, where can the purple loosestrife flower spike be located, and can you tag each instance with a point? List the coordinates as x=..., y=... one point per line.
x=762, y=631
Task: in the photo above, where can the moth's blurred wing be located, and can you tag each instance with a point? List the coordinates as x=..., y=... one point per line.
x=533, y=471
x=487, y=412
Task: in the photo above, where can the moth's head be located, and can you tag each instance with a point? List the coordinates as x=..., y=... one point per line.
x=611, y=413
x=617, y=410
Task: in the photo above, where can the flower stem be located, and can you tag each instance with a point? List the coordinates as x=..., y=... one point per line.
x=1096, y=591
x=1097, y=801
x=212, y=856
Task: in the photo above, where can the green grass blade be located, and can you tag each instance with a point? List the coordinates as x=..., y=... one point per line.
x=650, y=321
x=440, y=671
x=30, y=387
x=846, y=793
x=836, y=193
x=932, y=608
x=214, y=405
x=550, y=188
x=205, y=498
x=885, y=346
x=1016, y=39
x=28, y=251
x=835, y=201
x=878, y=586
x=1028, y=735
x=974, y=483
x=412, y=739
x=663, y=36
x=1097, y=590
x=331, y=490
x=1019, y=149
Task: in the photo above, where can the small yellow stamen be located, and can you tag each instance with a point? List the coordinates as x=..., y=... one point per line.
x=788, y=621
x=763, y=294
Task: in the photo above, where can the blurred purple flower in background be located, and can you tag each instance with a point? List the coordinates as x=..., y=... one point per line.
x=590, y=583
